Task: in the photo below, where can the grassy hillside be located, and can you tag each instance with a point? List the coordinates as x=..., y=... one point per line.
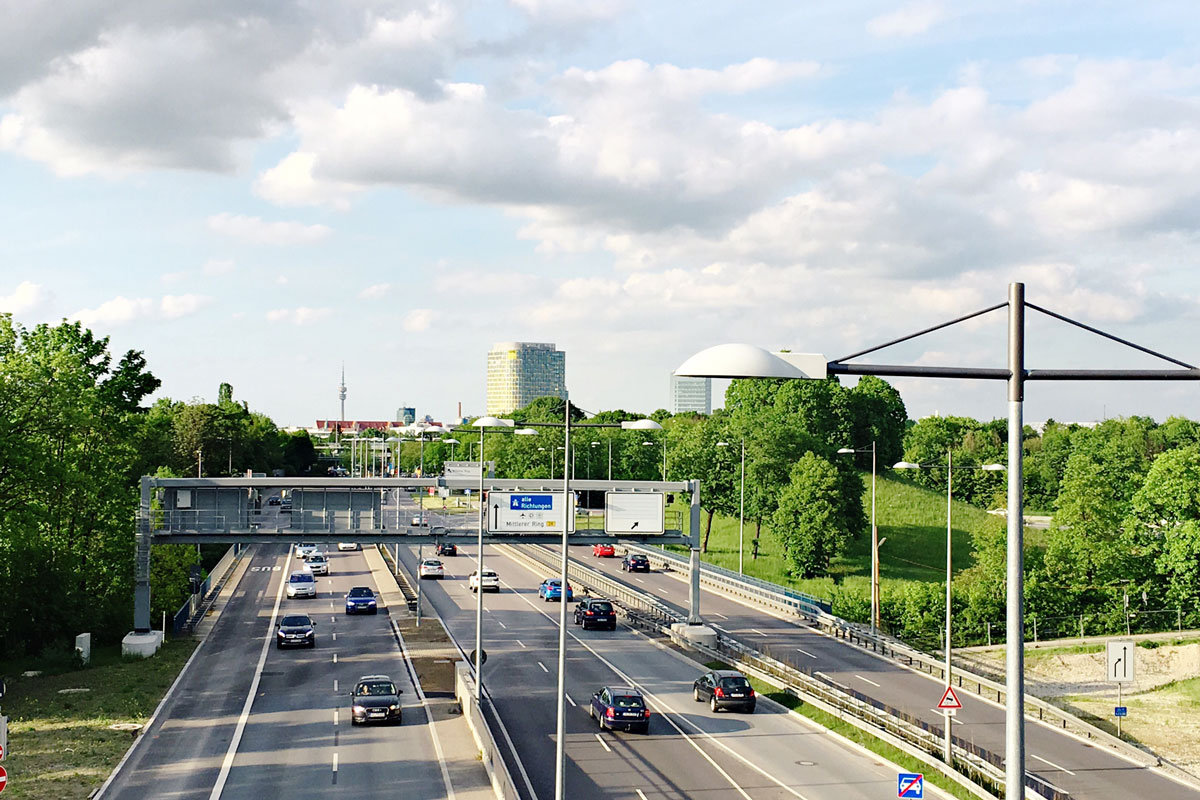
x=911, y=518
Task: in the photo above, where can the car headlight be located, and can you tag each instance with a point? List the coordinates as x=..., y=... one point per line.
x=308, y=633
x=359, y=709
x=394, y=706
x=370, y=602
x=279, y=634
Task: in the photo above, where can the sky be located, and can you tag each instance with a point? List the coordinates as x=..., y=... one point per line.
x=258, y=192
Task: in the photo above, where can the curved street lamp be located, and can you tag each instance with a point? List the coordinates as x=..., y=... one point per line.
x=483, y=423
x=741, y=503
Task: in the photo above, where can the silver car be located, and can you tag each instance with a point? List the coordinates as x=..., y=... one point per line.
x=301, y=583
x=318, y=564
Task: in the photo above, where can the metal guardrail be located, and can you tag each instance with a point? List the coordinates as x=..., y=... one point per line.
x=191, y=612
x=401, y=576
x=1035, y=708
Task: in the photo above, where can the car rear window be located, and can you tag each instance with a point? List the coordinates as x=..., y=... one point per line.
x=735, y=684
x=603, y=607
x=487, y=573
x=627, y=701
x=638, y=558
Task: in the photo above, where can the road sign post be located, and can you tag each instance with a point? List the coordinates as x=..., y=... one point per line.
x=1120, y=669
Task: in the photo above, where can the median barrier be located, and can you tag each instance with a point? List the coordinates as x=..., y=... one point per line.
x=497, y=770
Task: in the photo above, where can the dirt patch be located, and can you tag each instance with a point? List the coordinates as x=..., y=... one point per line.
x=431, y=652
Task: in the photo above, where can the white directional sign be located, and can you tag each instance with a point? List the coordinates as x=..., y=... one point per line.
x=625, y=512
x=1120, y=661
x=525, y=512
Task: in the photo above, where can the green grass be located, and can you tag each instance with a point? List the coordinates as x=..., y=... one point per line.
x=60, y=745
x=856, y=735
x=911, y=518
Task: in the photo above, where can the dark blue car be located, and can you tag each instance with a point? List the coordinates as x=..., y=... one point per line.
x=361, y=600
x=620, y=708
x=551, y=589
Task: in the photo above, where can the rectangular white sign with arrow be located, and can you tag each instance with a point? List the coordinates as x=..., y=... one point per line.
x=1121, y=661
x=525, y=512
x=626, y=512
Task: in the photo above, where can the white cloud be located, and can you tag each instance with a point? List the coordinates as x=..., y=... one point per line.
x=376, y=291
x=175, y=306
x=28, y=296
x=419, y=319
x=256, y=230
x=118, y=311
x=298, y=316
x=909, y=20
x=218, y=266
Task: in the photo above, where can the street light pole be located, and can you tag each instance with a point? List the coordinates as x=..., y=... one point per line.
x=561, y=723
x=947, y=754
x=874, y=542
x=741, y=506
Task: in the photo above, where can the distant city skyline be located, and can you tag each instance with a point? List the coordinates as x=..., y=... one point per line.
x=400, y=187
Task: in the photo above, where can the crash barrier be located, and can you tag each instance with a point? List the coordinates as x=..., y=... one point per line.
x=759, y=592
x=197, y=605
x=497, y=770
x=401, y=576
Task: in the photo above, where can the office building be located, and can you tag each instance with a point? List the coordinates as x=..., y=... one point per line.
x=692, y=395
x=520, y=372
x=406, y=414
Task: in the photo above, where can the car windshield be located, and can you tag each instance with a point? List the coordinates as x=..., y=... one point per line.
x=301, y=577
x=361, y=591
x=296, y=621
x=605, y=607
x=317, y=559
x=627, y=701
x=735, y=684
x=375, y=689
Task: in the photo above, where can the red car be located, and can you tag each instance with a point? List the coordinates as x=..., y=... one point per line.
x=603, y=550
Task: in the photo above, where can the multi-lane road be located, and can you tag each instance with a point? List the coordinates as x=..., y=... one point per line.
x=250, y=721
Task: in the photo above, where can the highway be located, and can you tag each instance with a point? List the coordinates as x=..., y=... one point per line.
x=1082, y=769
x=690, y=752
x=295, y=738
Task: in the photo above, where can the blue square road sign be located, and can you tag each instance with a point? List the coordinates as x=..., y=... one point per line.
x=1120, y=711
x=910, y=785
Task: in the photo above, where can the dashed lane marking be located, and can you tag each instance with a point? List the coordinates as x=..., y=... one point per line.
x=543, y=666
x=867, y=680
x=810, y=655
x=569, y=700
x=603, y=743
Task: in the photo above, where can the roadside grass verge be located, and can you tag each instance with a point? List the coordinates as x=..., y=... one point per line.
x=60, y=745
x=859, y=737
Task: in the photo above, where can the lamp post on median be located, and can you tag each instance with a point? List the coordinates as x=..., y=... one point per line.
x=949, y=531
x=483, y=423
x=874, y=541
x=450, y=441
x=741, y=504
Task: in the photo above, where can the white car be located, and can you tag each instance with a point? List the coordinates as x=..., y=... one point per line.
x=419, y=521
x=491, y=581
x=306, y=549
x=317, y=563
x=347, y=545
x=301, y=583
x=431, y=568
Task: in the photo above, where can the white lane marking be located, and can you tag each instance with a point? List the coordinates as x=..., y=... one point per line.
x=867, y=680
x=603, y=743
x=518, y=641
x=756, y=630
x=335, y=716
x=239, y=729
x=335, y=658
x=501, y=624
x=333, y=620
x=334, y=636
x=715, y=614
x=800, y=650
x=569, y=700
x=543, y=666
x=335, y=685
x=335, y=760
x=639, y=580
x=640, y=794
x=1051, y=763
x=664, y=591
x=331, y=604
x=437, y=743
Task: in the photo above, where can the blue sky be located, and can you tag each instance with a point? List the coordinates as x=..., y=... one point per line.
x=257, y=192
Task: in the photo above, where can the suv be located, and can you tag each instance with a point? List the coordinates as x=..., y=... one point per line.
x=635, y=562
x=447, y=549
x=375, y=699
x=491, y=581
x=619, y=707
x=724, y=688
x=594, y=612
x=301, y=583
x=603, y=550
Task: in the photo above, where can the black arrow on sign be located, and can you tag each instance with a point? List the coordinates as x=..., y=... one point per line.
x=634, y=525
x=495, y=516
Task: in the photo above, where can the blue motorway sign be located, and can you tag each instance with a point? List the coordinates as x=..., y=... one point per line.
x=530, y=502
x=1120, y=711
x=910, y=785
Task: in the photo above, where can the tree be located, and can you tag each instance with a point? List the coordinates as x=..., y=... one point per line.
x=877, y=414
x=808, y=520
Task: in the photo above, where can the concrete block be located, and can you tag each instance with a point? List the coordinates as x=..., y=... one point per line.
x=142, y=645
x=695, y=634
x=83, y=647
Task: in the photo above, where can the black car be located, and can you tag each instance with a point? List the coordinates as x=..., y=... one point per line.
x=620, y=708
x=274, y=500
x=375, y=699
x=447, y=549
x=635, y=562
x=596, y=613
x=724, y=688
x=295, y=630
x=361, y=600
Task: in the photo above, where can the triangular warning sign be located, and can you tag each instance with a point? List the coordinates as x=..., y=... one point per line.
x=949, y=699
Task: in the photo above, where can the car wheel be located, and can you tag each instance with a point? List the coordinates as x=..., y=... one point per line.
x=696, y=693
x=374, y=611
x=353, y=721
x=278, y=646
x=712, y=705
